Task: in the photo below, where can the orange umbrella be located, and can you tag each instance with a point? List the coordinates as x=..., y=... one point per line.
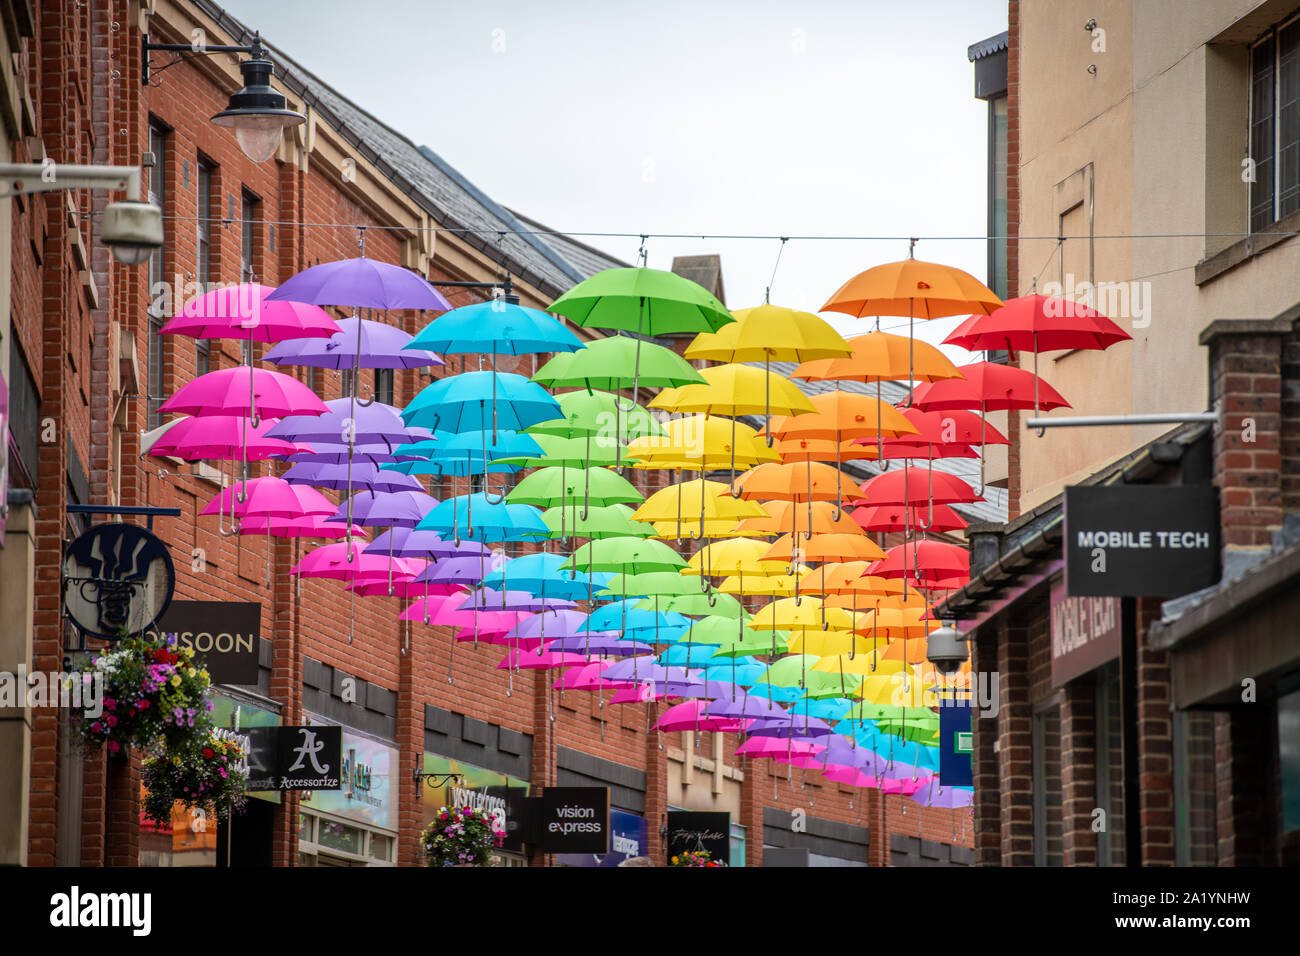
x=826, y=547
x=807, y=481
x=847, y=577
x=823, y=449
x=782, y=518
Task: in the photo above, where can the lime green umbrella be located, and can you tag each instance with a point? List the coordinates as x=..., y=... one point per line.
x=589, y=451
x=615, y=363
x=647, y=583
x=710, y=602
x=611, y=521
x=551, y=486
x=588, y=412
x=753, y=644
x=644, y=301
x=796, y=670
x=625, y=555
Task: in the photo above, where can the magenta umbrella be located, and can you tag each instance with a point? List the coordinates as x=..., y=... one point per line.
x=270, y=497
x=331, y=561
x=308, y=526
x=222, y=436
x=587, y=677
x=434, y=609
x=226, y=392
x=778, y=747
x=517, y=659
x=693, y=715
x=243, y=312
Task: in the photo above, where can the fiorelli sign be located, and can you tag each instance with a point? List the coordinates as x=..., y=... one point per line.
x=1141, y=540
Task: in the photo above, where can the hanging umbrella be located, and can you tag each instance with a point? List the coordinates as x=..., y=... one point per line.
x=617, y=362
x=387, y=508
x=825, y=547
x=592, y=412
x=243, y=312
x=609, y=521
x=226, y=392
x=409, y=543
x=782, y=517
x=543, y=574
x=361, y=283
x=307, y=526
x=218, y=436
x=270, y=497
x=347, y=477
x=694, y=716
x=886, y=518
x=461, y=403
x=555, y=486
x=343, y=423
x=644, y=301
x=492, y=521
x=497, y=327
x=934, y=559
x=359, y=343
x=464, y=453
x=706, y=498
x=625, y=555
x=323, y=454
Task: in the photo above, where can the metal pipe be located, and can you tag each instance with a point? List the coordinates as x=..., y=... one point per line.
x=1157, y=418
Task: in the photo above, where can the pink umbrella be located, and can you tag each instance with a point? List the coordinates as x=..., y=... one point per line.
x=637, y=694
x=243, y=312
x=587, y=677
x=778, y=747
x=270, y=497
x=222, y=436
x=308, y=526
x=331, y=561
x=693, y=715
x=434, y=609
x=380, y=570
x=226, y=392
x=530, y=660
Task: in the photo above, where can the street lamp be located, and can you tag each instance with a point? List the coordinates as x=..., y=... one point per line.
x=258, y=113
x=132, y=229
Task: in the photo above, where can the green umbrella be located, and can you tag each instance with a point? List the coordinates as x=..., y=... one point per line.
x=647, y=583
x=610, y=521
x=585, y=452
x=618, y=362
x=752, y=644
x=644, y=301
x=597, y=413
x=551, y=486
x=796, y=670
x=712, y=602
x=625, y=555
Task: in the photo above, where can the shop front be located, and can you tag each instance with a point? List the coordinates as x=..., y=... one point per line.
x=355, y=825
x=629, y=836
x=456, y=783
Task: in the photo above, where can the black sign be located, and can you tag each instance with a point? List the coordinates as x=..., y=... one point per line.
x=514, y=801
x=572, y=820
x=690, y=830
x=1141, y=540
x=308, y=758
x=117, y=580
x=263, y=755
x=223, y=635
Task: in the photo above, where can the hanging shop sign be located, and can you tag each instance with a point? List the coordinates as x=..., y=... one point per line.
x=629, y=836
x=255, y=728
x=1141, y=540
x=692, y=830
x=300, y=758
x=955, y=739
x=223, y=635
x=367, y=768
x=117, y=580
x=1085, y=634
x=570, y=820
x=500, y=794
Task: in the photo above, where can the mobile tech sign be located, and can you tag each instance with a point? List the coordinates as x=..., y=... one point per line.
x=1141, y=540
x=223, y=635
x=1085, y=634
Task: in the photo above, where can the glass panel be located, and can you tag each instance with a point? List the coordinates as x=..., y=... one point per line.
x=304, y=827
x=1288, y=738
x=1048, y=846
x=1261, y=133
x=1196, y=801
x=157, y=196
x=381, y=847
x=337, y=836
x=1110, y=767
x=1288, y=120
x=384, y=385
x=998, y=198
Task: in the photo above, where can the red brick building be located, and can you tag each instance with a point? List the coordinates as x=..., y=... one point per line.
x=87, y=371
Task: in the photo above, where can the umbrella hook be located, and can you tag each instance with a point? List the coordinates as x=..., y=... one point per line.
x=636, y=367
x=980, y=490
x=927, y=525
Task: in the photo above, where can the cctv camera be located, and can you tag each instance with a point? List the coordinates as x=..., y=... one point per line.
x=132, y=230
x=946, y=649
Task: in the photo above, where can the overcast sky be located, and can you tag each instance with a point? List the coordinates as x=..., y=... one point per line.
x=822, y=117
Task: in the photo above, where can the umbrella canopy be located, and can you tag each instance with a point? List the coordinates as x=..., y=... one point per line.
x=476, y=518
x=625, y=555
x=614, y=363
x=464, y=453
x=346, y=420
x=497, y=327
x=794, y=481
x=881, y=357
x=825, y=547
x=227, y=392
x=701, y=443
x=243, y=312
x=769, y=333
x=361, y=283
x=543, y=574
x=989, y=387
x=218, y=436
x=269, y=497
x=308, y=526
x=359, y=343
x=592, y=412
x=462, y=403
x=950, y=560
x=736, y=390
x=701, y=498
x=646, y=301
x=345, y=477
x=610, y=521
x=844, y=415
x=694, y=716
x=800, y=614
x=900, y=518
x=339, y=562
x=786, y=517
x=908, y=486
x=451, y=575
x=924, y=290
x=387, y=508
x=410, y=543
x=1037, y=323
x=561, y=486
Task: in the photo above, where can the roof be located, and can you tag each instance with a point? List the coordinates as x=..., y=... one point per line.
x=433, y=183
x=992, y=509
x=994, y=44
x=702, y=270
x=586, y=259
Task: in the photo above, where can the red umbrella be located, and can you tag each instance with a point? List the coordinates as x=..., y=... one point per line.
x=895, y=488
x=1037, y=323
x=899, y=518
x=950, y=427
x=934, y=562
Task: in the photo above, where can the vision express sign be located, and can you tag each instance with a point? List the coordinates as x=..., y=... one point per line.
x=1141, y=540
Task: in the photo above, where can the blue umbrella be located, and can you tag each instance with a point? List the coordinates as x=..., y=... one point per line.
x=484, y=520
x=497, y=327
x=466, y=453
x=688, y=655
x=742, y=673
x=637, y=623
x=830, y=708
x=542, y=574
x=461, y=403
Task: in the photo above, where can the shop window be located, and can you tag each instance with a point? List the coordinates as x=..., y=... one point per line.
x=157, y=280
x=1048, y=847
x=326, y=841
x=1288, y=739
x=384, y=385
x=1110, y=767
x=1196, y=836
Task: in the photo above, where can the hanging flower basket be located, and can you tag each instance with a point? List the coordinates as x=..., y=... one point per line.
x=207, y=772
x=152, y=691
x=461, y=836
x=695, y=858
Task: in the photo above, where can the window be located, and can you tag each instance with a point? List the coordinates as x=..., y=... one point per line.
x=384, y=385
x=1275, y=125
x=250, y=208
x=1046, y=743
x=203, y=257
x=1195, y=800
x=336, y=841
x=1110, y=767
x=157, y=278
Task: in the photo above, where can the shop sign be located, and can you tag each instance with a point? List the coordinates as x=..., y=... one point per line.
x=1085, y=634
x=955, y=739
x=572, y=820
x=700, y=830
x=117, y=580
x=306, y=758
x=1141, y=540
x=629, y=836
x=498, y=793
x=367, y=768
x=253, y=727
x=223, y=635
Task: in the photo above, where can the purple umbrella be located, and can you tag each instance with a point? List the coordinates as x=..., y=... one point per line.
x=456, y=572
x=377, y=454
x=387, y=508
x=744, y=706
x=350, y=476
x=552, y=625
x=789, y=725
x=347, y=422
x=648, y=670
x=359, y=343
x=361, y=283
x=840, y=752
x=411, y=543
x=600, y=645
x=949, y=798
x=486, y=599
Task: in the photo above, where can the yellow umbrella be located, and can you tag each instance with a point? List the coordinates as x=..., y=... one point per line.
x=828, y=643
x=826, y=547
x=701, y=443
x=846, y=578
x=691, y=526
x=899, y=689
x=770, y=333
x=767, y=585
x=800, y=614
x=707, y=498
x=867, y=662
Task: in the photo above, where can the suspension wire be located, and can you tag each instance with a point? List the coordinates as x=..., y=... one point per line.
x=767, y=293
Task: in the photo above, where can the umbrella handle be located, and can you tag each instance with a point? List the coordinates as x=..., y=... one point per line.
x=636, y=366
x=925, y=526
x=983, y=421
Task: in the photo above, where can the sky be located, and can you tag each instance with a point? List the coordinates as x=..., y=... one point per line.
x=753, y=118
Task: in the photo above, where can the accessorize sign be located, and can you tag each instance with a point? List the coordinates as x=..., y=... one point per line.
x=572, y=820
x=1085, y=634
x=301, y=758
x=367, y=768
x=697, y=830
x=223, y=635
x=1141, y=540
